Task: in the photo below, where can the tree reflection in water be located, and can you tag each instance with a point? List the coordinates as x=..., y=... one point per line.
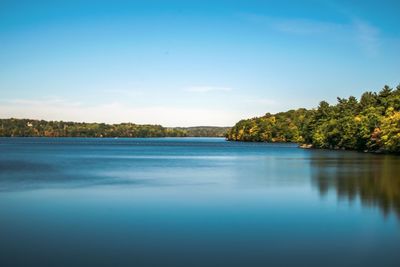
x=374, y=179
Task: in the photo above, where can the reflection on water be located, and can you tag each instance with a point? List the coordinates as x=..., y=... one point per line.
x=194, y=202
x=374, y=179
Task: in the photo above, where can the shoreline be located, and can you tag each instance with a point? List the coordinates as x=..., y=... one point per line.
x=312, y=147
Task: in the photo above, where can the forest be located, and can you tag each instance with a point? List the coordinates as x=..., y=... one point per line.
x=41, y=128
x=371, y=123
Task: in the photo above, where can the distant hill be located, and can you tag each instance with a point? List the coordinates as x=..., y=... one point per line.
x=41, y=128
x=204, y=131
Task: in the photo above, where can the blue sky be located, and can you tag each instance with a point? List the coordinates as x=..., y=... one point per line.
x=186, y=63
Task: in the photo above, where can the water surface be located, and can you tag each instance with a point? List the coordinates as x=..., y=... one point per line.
x=194, y=202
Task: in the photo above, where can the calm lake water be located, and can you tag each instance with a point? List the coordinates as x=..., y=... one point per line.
x=194, y=202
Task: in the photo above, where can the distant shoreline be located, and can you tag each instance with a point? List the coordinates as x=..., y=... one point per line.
x=40, y=128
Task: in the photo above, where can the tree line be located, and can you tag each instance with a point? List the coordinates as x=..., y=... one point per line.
x=41, y=128
x=369, y=124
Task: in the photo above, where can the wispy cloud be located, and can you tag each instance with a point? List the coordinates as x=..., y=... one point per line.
x=361, y=33
x=48, y=101
x=207, y=89
x=367, y=36
x=297, y=26
x=305, y=27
